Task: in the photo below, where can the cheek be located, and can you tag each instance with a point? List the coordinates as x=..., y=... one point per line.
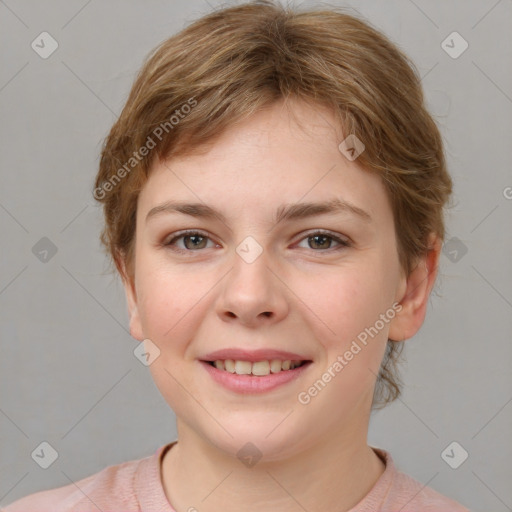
x=166, y=304
x=343, y=302
x=168, y=310
x=343, y=308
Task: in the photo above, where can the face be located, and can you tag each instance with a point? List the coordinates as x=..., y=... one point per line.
x=309, y=284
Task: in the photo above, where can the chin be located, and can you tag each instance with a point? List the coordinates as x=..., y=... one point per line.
x=252, y=444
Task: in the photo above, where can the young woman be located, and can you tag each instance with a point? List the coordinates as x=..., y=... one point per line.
x=273, y=195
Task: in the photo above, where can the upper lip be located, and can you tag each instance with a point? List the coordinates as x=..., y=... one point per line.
x=263, y=354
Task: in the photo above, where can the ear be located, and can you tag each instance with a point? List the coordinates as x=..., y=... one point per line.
x=415, y=292
x=132, y=302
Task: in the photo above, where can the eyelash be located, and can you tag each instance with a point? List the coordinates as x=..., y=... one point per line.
x=343, y=243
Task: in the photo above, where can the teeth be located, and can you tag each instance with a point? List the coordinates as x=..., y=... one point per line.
x=275, y=366
x=260, y=368
x=243, y=367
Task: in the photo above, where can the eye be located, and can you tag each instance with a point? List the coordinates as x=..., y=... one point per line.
x=322, y=239
x=192, y=240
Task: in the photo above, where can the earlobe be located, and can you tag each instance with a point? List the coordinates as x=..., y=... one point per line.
x=414, y=299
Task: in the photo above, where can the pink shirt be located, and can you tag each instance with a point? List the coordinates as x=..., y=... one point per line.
x=136, y=486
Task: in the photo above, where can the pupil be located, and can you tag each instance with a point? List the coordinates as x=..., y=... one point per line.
x=189, y=237
x=322, y=237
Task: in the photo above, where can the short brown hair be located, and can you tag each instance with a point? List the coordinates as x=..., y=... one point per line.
x=235, y=61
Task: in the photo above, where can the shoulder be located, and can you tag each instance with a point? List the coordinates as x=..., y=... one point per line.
x=110, y=487
x=423, y=498
x=413, y=496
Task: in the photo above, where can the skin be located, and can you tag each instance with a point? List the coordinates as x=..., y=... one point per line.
x=300, y=294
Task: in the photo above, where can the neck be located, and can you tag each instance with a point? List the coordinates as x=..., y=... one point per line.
x=340, y=473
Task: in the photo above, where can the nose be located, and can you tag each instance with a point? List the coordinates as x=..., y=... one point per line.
x=253, y=293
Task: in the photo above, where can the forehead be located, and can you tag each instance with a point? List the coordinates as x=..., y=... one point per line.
x=284, y=154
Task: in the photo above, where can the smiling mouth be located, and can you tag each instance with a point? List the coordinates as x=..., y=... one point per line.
x=257, y=368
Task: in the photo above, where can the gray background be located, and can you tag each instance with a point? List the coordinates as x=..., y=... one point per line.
x=67, y=369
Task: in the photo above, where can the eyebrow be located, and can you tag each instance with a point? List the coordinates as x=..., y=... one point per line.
x=285, y=212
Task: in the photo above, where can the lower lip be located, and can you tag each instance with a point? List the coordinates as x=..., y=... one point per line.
x=251, y=383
